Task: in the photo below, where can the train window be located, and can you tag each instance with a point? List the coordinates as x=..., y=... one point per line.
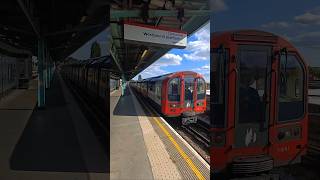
x=253, y=66
x=219, y=58
x=174, y=90
x=151, y=86
x=201, y=88
x=291, y=101
x=158, y=90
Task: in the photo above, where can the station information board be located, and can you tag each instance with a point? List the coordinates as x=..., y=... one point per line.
x=155, y=36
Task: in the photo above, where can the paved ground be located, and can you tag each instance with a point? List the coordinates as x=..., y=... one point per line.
x=47, y=143
x=128, y=154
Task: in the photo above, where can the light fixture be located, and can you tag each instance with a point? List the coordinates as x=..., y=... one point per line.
x=144, y=53
x=83, y=18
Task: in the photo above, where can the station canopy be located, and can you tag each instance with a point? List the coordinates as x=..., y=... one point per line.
x=130, y=58
x=64, y=25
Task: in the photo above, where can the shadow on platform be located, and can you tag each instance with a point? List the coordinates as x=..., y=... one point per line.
x=125, y=106
x=49, y=141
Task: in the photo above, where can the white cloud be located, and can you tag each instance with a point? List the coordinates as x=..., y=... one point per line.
x=280, y=24
x=204, y=70
x=166, y=60
x=199, y=48
x=218, y=5
x=310, y=18
x=309, y=39
x=169, y=60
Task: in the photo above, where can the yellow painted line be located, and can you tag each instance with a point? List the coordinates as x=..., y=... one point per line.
x=178, y=148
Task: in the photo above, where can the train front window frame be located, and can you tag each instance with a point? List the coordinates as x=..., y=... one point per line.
x=291, y=105
x=174, y=92
x=201, y=88
x=219, y=86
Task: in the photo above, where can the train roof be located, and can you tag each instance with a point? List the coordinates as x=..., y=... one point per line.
x=161, y=77
x=251, y=35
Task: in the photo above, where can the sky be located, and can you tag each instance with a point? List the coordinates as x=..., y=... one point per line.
x=195, y=57
x=296, y=20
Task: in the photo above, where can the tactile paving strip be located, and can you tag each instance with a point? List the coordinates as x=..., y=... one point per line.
x=163, y=166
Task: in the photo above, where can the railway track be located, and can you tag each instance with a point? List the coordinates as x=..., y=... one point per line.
x=198, y=134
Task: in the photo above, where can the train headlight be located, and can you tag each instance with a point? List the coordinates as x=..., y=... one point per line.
x=174, y=105
x=218, y=139
x=200, y=103
x=288, y=133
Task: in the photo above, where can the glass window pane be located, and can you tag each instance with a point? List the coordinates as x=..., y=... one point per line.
x=219, y=58
x=174, y=90
x=291, y=104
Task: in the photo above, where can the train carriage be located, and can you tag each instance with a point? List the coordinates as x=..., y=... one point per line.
x=259, y=102
x=176, y=94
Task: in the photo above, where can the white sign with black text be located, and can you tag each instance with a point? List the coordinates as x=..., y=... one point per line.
x=155, y=35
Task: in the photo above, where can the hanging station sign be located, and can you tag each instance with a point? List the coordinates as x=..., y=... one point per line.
x=155, y=36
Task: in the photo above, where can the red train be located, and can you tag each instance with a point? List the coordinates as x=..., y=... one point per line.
x=259, y=102
x=176, y=94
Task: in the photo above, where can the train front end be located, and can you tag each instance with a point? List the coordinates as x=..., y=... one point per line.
x=260, y=117
x=185, y=96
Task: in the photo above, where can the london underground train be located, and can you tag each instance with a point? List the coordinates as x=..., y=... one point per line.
x=259, y=108
x=176, y=94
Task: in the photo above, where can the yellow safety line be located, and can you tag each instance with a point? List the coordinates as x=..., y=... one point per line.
x=178, y=148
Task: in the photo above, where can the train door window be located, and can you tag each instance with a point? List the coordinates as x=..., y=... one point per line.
x=291, y=80
x=174, y=90
x=188, y=91
x=201, y=88
x=253, y=66
x=219, y=58
x=253, y=87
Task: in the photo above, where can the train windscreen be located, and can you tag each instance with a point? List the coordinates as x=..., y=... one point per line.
x=291, y=91
x=201, y=88
x=174, y=90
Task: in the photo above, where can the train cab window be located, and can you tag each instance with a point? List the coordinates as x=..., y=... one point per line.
x=291, y=78
x=219, y=58
x=201, y=88
x=174, y=90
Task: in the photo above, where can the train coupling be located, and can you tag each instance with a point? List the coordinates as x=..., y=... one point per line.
x=189, y=118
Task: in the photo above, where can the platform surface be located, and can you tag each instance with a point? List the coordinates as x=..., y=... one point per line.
x=51, y=143
x=143, y=147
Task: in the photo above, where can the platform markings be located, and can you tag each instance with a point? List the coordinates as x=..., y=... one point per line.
x=161, y=163
x=176, y=145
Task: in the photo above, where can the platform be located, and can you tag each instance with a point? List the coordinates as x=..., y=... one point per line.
x=143, y=146
x=51, y=143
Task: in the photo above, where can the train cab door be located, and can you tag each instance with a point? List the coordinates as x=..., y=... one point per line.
x=189, y=91
x=252, y=93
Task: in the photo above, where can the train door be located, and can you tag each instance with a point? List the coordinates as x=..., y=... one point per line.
x=253, y=86
x=188, y=92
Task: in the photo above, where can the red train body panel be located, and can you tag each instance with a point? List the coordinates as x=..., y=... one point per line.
x=281, y=136
x=175, y=93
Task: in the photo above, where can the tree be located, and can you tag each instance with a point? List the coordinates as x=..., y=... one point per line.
x=95, y=50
